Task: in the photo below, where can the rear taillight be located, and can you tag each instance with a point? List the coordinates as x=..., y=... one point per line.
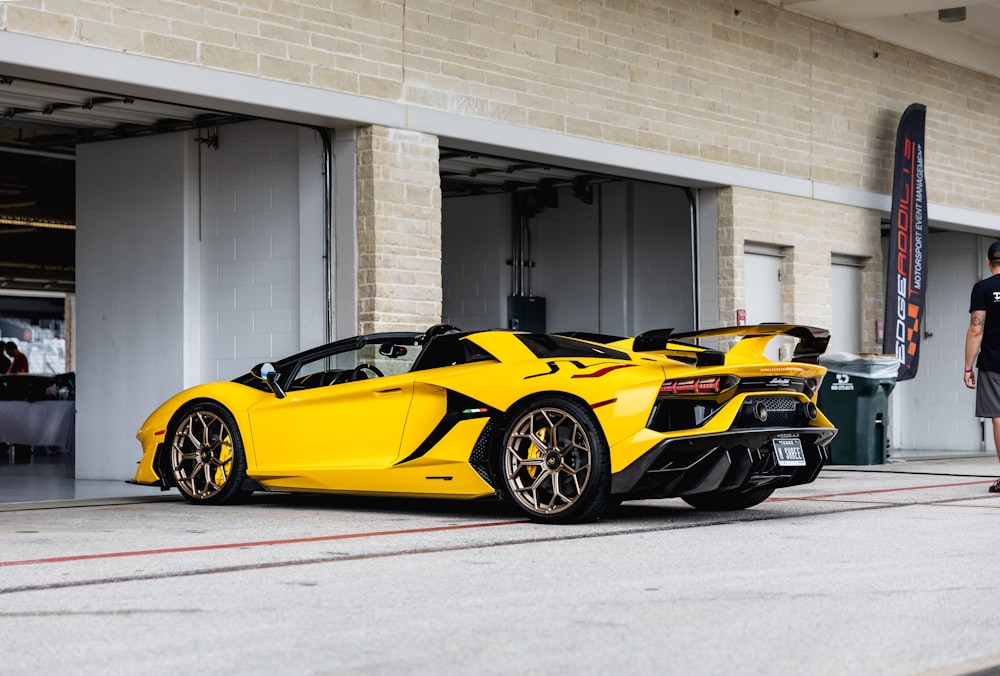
x=698, y=385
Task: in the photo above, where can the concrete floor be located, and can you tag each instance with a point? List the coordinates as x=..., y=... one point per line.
x=51, y=478
x=888, y=570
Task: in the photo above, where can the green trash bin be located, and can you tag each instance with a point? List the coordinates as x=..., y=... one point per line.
x=855, y=397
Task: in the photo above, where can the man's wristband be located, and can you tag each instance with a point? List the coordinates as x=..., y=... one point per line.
x=968, y=370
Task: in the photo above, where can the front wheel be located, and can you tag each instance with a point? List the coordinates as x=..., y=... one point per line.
x=206, y=455
x=725, y=501
x=554, y=462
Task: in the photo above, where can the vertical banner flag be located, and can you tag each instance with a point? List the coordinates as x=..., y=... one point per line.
x=906, y=266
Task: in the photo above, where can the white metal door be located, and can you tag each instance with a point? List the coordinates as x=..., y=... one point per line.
x=934, y=413
x=845, y=329
x=762, y=275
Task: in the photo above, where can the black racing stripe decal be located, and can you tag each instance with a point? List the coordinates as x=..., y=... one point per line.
x=459, y=407
x=554, y=367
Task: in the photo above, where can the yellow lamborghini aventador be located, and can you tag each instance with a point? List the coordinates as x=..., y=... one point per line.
x=564, y=427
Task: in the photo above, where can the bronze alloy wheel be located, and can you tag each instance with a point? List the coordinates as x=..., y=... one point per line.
x=206, y=455
x=555, y=463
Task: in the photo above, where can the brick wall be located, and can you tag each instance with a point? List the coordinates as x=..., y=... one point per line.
x=399, y=230
x=355, y=48
x=813, y=231
x=739, y=83
x=742, y=83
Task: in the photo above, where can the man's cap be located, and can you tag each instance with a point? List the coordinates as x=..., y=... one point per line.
x=994, y=252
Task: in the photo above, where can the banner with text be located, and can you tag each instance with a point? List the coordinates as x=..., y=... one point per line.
x=906, y=266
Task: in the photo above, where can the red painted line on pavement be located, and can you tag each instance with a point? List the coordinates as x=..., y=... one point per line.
x=261, y=543
x=881, y=490
x=412, y=531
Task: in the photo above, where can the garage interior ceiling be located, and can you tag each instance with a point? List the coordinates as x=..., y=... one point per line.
x=471, y=173
x=41, y=125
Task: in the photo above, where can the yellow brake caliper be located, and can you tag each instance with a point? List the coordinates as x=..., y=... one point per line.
x=535, y=451
x=225, y=461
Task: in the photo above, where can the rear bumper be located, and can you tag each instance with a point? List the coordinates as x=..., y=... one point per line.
x=730, y=461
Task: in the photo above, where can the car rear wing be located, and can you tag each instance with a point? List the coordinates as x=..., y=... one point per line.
x=812, y=342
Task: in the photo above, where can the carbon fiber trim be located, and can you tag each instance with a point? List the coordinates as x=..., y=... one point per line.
x=674, y=414
x=480, y=456
x=780, y=412
x=731, y=461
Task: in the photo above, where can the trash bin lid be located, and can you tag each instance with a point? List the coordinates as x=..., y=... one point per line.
x=876, y=366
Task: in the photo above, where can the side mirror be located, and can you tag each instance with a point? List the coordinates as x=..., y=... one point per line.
x=269, y=375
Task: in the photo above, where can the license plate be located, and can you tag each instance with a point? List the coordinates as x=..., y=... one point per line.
x=788, y=452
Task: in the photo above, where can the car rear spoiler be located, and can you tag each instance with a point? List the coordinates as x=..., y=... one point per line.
x=753, y=339
x=659, y=341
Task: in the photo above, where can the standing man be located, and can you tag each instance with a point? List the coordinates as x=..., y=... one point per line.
x=18, y=360
x=983, y=340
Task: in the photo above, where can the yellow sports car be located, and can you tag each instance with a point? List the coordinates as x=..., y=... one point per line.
x=564, y=427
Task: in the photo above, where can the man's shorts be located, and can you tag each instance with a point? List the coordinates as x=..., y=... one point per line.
x=988, y=394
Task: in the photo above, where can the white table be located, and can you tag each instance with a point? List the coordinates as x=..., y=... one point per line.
x=38, y=423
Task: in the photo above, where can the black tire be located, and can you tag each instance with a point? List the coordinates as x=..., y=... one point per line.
x=726, y=501
x=565, y=481
x=206, y=455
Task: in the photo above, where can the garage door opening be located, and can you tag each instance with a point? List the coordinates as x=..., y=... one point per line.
x=147, y=270
x=41, y=126
x=541, y=247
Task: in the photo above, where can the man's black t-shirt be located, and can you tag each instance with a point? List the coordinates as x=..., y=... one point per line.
x=986, y=296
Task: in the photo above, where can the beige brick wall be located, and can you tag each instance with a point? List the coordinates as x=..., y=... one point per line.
x=743, y=83
x=356, y=48
x=399, y=230
x=739, y=83
x=818, y=231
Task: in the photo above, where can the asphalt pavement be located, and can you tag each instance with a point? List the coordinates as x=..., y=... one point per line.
x=887, y=569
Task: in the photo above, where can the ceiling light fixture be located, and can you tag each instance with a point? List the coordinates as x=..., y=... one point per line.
x=30, y=223
x=951, y=15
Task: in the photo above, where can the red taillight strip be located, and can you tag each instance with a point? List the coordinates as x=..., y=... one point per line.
x=705, y=385
x=603, y=403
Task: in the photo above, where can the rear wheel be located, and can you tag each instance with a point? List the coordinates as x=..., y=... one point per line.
x=554, y=462
x=724, y=501
x=206, y=455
